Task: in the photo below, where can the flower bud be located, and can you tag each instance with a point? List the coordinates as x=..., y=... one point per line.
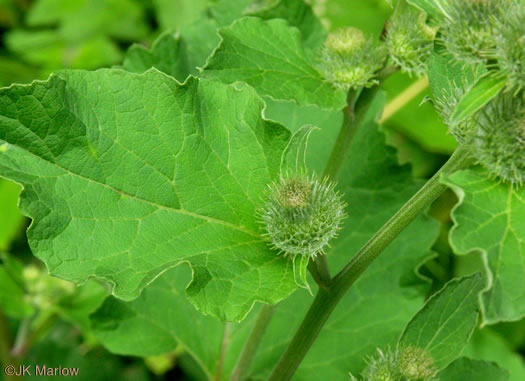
x=409, y=40
x=407, y=364
x=468, y=32
x=416, y=364
x=350, y=59
x=499, y=138
x=301, y=215
x=510, y=44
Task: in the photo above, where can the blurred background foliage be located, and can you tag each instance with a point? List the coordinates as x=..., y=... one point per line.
x=42, y=36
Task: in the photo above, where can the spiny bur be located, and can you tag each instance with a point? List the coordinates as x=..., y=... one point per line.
x=509, y=50
x=409, y=40
x=468, y=31
x=301, y=215
x=406, y=364
x=499, y=138
x=350, y=59
x=416, y=364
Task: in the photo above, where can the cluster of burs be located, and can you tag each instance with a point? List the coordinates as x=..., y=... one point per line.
x=487, y=37
x=483, y=36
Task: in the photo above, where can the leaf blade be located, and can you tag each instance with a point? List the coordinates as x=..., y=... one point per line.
x=442, y=329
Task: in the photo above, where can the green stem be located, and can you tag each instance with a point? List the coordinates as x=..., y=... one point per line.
x=322, y=270
x=353, y=116
x=326, y=300
x=252, y=343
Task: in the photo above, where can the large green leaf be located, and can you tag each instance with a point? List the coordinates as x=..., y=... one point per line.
x=372, y=314
x=443, y=327
x=467, y=369
x=270, y=56
x=147, y=175
x=490, y=218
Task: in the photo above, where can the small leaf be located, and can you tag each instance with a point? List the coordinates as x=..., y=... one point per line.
x=167, y=55
x=477, y=97
x=270, y=56
x=444, y=325
x=298, y=14
x=467, y=369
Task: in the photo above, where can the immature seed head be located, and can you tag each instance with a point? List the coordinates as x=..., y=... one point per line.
x=499, y=138
x=416, y=364
x=408, y=364
x=346, y=41
x=409, y=39
x=510, y=44
x=469, y=31
x=301, y=215
x=350, y=59
x=383, y=367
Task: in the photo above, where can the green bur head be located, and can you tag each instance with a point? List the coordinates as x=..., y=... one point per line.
x=409, y=40
x=510, y=44
x=407, y=364
x=301, y=215
x=350, y=59
x=499, y=138
x=469, y=31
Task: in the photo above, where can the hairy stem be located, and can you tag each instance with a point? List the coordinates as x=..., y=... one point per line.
x=326, y=300
x=252, y=343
